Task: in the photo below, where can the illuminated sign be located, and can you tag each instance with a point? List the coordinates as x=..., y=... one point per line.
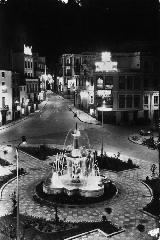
x=104, y=93
x=72, y=83
x=100, y=83
x=106, y=65
x=27, y=50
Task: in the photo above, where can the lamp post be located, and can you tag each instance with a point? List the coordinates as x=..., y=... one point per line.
x=102, y=109
x=17, y=158
x=159, y=134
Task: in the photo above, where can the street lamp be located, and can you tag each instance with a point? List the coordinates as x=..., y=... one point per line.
x=159, y=133
x=102, y=109
x=23, y=141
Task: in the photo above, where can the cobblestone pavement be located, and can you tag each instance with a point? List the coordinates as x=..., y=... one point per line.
x=126, y=205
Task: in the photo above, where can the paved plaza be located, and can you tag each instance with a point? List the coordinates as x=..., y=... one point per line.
x=126, y=206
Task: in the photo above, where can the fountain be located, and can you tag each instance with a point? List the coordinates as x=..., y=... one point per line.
x=75, y=172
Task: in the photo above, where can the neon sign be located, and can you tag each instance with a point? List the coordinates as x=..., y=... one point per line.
x=106, y=65
x=27, y=50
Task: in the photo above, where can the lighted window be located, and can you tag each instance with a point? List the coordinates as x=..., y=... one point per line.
x=136, y=101
x=155, y=100
x=121, y=101
x=122, y=82
x=3, y=74
x=129, y=101
x=145, y=99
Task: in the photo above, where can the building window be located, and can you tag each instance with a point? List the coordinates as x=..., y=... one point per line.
x=3, y=83
x=146, y=82
x=129, y=82
x=3, y=102
x=146, y=100
x=155, y=100
x=129, y=101
x=31, y=65
x=91, y=99
x=109, y=80
x=25, y=64
x=121, y=101
x=68, y=60
x=146, y=114
x=28, y=64
x=137, y=83
x=136, y=101
x=3, y=74
x=122, y=82
x=146, y=66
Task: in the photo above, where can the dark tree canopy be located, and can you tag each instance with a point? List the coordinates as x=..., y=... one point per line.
x=53, y=27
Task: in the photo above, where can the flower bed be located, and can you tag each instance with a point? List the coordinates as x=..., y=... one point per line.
x=62, y=229
x=42, y=152
x=114, y=163
x=154, y=206
x=13, y=174
x=4, y=163
x=104, y=162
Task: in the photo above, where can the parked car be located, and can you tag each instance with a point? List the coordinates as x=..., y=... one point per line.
x=144, y=132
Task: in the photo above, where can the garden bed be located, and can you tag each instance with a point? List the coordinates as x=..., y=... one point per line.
x=154, y=206
x=42, y=152
x=4, y=163
x=13, y=174
x=104, y=162
x=62, y=229
x=114, y=163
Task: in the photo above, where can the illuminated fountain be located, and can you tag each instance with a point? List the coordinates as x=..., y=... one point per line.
x=75, y=172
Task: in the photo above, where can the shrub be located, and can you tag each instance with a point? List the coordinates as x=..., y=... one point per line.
x=114, y=163
x=3, y=162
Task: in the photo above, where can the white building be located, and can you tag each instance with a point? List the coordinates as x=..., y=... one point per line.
x=6, y=97
x=151, y=105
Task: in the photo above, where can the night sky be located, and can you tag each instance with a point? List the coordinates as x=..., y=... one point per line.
x=53, y=27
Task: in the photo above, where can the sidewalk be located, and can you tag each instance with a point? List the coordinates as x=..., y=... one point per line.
x=84, y=117
x=14, y=122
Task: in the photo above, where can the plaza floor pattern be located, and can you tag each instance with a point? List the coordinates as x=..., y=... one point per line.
x=126, y=206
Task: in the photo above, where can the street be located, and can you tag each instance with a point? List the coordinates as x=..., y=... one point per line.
x=53, y=122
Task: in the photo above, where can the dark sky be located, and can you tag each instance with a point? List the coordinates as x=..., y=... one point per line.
x=53, y=27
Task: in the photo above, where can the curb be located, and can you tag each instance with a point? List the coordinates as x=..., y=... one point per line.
x=98, y=123
x=22, y=119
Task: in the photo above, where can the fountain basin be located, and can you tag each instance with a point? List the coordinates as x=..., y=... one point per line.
x=89, y=187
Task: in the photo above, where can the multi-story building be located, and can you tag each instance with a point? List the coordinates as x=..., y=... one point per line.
x=9, y=96
x=32, y=87
x=71, y=70
x=150, y=67
x=39, y=65
x=116, y=80
x=23, y=62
